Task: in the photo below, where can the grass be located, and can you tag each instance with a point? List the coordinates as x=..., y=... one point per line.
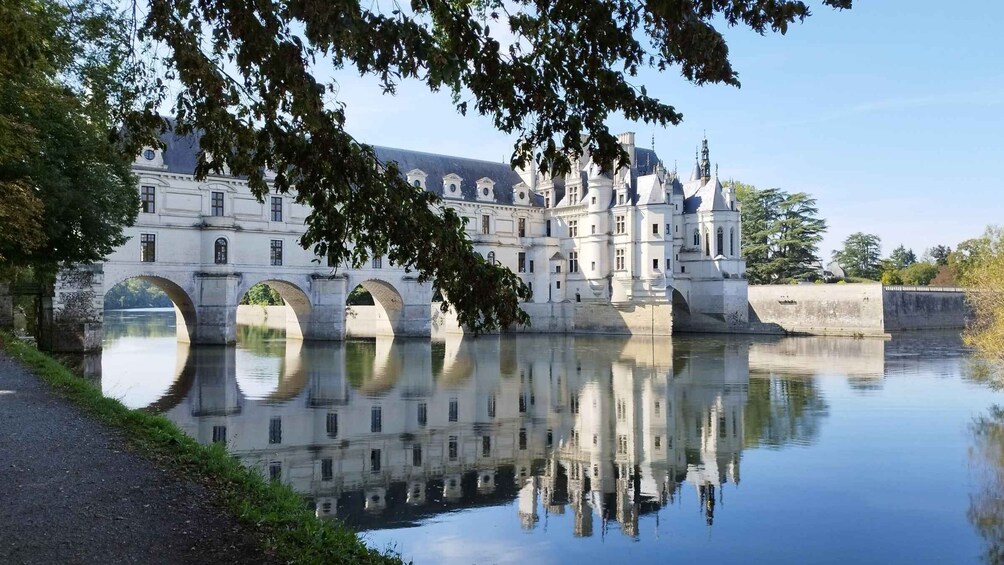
x=279, y=518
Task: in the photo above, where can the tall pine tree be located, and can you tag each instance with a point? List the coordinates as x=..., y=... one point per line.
x=781, y=234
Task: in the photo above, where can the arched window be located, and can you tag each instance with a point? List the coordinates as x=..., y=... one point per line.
x=491, y=257
x=220, y=251
x=707, y=243
x=732, y=242
x=697, y=238
x=720, y=240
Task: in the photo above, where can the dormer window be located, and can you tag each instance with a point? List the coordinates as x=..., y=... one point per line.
x=452, y=186
x=486, y=189
x=416, y=177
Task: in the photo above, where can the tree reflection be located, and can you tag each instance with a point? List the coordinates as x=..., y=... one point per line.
x=782, y=411
x=986, y=506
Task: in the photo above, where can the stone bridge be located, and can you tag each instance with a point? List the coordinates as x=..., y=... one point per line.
x=206, y=298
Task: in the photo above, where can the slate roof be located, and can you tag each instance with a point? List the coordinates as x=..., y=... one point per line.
x=470, y=170
x=707, y=198
x=181, y=152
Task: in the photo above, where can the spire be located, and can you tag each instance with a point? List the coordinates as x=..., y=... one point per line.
x=705, y=160
x=696, y=175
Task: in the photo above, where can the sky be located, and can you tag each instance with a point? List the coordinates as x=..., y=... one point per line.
x=890, y=115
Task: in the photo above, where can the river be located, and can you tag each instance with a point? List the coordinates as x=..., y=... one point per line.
x=574, y=449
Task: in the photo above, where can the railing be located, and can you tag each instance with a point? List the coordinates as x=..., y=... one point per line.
x=902, y=288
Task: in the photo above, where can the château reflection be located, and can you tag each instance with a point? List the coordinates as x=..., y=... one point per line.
x=388, y=433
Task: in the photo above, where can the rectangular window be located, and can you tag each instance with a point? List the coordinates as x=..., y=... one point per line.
x=216, y=203
x=374, y=460
x=592, y=266
x=547, y=227
x=593, y=229
x=522, y=227
x=622, y=444
x=522, y=403
x=332, y=424
x=275, y=471
x=422, y=414
x=657, y=407
x=573, y=261
x=491, y=406
x=550, y=438
x=376, y=419
x=655, y=263
x=486, y=446
x=594, y=200
x=521, y=262
x=147, y=247
x=620, y=198
x=522, y=438
x=454, y=410
x=148, y=199
x=619, y=224
x=378, y=262
x=619, y=259
x=275, y=430
x=453, y=448
x=416, y=455
x=327, y=469
x=275, y=253
x=573, y=228
x=276, y=208
x=531, y=265
x=486, y=224
x=557, y=284
x=655, y=229
x=547, y=203
x=667, y=230
x=220, y=434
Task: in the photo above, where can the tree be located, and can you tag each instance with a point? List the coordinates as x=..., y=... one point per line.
x=247, y=83
x=939, y=254
x=901, y=257
x=860, y=255
x=919, y=274
x=781, y=234
x=66, y=82
x=983, y=277
x=262, y=295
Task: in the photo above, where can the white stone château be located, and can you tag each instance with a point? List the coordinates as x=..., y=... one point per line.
x=638, y=251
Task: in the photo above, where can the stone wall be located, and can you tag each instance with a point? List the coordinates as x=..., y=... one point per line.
x=924, y=308
x=856, y=309
x=580, y=318
x=272, y=317
x=830, y=309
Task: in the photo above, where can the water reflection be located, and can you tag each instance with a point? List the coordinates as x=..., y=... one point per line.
x=457, y=450
x=387, y=433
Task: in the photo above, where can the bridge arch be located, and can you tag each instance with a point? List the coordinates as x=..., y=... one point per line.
x=298, y=303
x=381, y=318
x=185, y=311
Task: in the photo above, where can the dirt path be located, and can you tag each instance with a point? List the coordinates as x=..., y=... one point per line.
x=69, y=493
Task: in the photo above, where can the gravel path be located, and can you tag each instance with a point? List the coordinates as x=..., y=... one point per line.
x=69, y=493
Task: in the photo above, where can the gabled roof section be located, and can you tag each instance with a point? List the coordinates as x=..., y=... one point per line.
x=707, y=198
x=650, y=190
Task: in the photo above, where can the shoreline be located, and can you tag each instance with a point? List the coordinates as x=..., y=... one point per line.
x=278, y=518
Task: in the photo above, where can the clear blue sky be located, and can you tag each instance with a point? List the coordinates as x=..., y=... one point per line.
x=890, y=114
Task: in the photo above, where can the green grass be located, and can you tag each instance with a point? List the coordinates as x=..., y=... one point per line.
x=278, y=517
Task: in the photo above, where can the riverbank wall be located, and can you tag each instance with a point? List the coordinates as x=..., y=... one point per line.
x=856, y=309
x=851, y=309
x=557, y=317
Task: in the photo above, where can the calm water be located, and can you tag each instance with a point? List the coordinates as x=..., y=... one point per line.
x=600, y=450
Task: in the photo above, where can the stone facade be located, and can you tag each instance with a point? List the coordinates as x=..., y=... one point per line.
x=626, y=247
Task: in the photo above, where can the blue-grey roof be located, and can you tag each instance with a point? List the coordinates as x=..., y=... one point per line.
x=181, y=154
x=470, y=170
